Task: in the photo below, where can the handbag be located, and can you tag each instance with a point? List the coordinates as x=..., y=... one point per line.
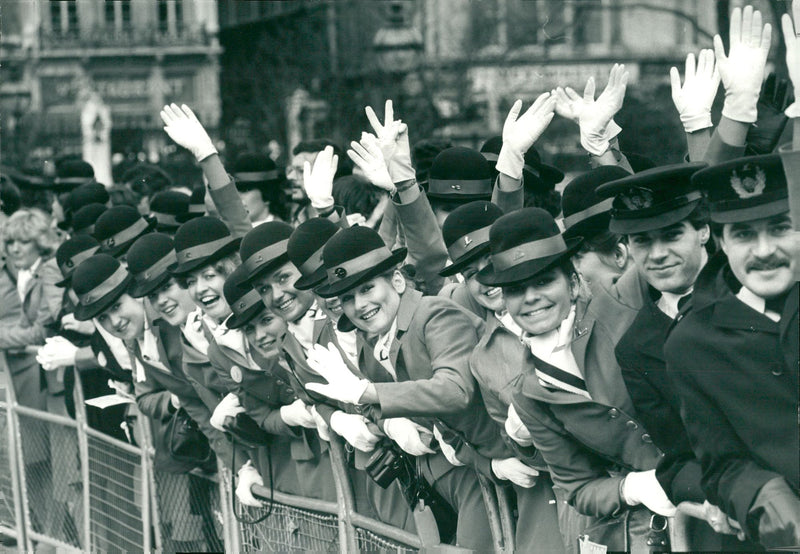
x=185, y=441
x=637, y=529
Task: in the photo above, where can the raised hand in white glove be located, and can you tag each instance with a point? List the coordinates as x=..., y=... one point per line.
x=322, y=426
x=392, y=137
x=297, y=414
x=183, y=127
x=742, y=70
x=448, y=451
x=353, y=428
x=693, y=100
x=121, y=388
x=511, y=469
x=69, y=323
x=792, y=40
x=57, y=352
x=342, y=384
x=642, y=487
x=318, y=179
x=227, y=407
x=515, y=429
x=175, y=401
x=520, y=132
x=408, y=435
x=368, y=157
x=248, y=476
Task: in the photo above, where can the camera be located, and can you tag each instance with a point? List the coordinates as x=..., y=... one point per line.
x=386, y=464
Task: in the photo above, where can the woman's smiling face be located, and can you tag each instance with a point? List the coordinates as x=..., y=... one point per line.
x=264, y=333
x=205, y=289
x=541, y=303
x=171, y=302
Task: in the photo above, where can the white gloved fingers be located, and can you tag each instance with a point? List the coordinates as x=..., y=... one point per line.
x=588, y=90
x=513, y=113
x=189, y=113
x=735, y=33
x=248, y=476
x=374, y=122
x=388, y=112
x=719, y=49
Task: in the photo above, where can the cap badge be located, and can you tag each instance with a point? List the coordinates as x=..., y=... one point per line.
x=340, y=272
x=751, y=183
x=455, y=187
x=69, y=263
x=110, y=242
x=637, y=198
x=519, y=254
x=467, y=240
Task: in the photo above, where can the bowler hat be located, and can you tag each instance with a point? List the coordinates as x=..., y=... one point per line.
x=538, y=177
x=466, y=233
x=460, y=173
x=71, y=253
x=745, y=189
x=264, y=247
x=71, y=173
x=118, y=227
x=197, y=206
x=423, y=153
x=252, y=170
x=149, y=259
x=524, y=243
x=491, y=149
x=653, y=199
x=305, y=250
x=87, y=193
x=355, y=255
x=84, y=219
x=585, y=213
x=243, y=299
x=97, y=282
x=200, y=242
x=166, y=206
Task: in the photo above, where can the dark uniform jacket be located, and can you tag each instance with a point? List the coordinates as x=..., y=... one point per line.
x=736, y=373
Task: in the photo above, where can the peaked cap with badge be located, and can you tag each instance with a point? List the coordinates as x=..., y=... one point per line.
x=98, y=282
x=264, y=248
x=466, y=233
x=71, y=253
x=200, y=242
x=461, y=174
x=118, y=227
x=585, y=213
x=305, y=250
x=149, y=260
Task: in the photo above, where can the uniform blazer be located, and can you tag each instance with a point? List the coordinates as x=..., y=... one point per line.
x=588, y=444
x=459, y=293
x=736, y=373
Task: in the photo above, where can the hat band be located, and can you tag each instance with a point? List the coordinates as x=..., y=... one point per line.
x=256, y=176
x=265, y=255
x=469, y=242
x=657, y=209
x=197, y=208
x=529, y=251
x=358, y=264
x=112, y=282
x=166, y=219
x=127, y=234
x=201, y=250
x=530, y=169
x=70, y=265
x=599, y=208
x=246, y=302
x=743, y=203
x=158, y=268
x=71, y=180
x=490, y=156
x=459, y=186
x=313, y=263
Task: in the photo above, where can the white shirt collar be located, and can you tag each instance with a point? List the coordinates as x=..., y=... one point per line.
x=748, y=297
x=668, y=303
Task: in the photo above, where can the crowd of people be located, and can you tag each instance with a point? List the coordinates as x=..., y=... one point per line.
x=612, y=355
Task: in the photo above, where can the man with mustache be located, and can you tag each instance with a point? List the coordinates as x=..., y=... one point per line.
x=733, y=355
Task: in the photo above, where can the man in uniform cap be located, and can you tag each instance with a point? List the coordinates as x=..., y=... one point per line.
x=733, y=356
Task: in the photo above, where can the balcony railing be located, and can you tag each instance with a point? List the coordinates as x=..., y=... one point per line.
x=105, y=37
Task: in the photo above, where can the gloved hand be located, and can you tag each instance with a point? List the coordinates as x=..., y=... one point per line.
x=393, y=140
x=175, y=401
x=642, y=487
x=448, y=451
x=121, y=388
x=342, y=384
x=69, y=323
x=764, y=134
x=519, y=133
x=318, y=180
x=511, y=469
x=57, y=352
x=227, y=407
x=408, y=435
x=248, y=476
x=353, y=428
x=400, y=166
x=515, y=429
x=368, y=158
x=595, y=117
x=297, y=414
x=693, y=100
x=183, y=127
x=743, y=69
x=792, y=41
x=322, y=427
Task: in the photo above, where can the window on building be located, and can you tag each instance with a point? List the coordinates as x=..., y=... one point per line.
x=118, y=14
x=55, y=15
x=589, y=22
x=64, y=16
x=163, y=16
x=178, y=15
x=485, y=21
x=72, y=16
x=170, y=16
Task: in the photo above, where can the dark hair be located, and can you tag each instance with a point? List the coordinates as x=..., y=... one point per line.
x=318, y=145
x=445, y=204
x=123, y=195
x=549, y=200
x=224, y=267
x=147, y=179
x=10, y=197
x=699, y=216
x=604, y=242
x=356, y=195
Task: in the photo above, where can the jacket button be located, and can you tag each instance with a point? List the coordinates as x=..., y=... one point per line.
x=632, y=425
x=613, y=413
x=646, y=438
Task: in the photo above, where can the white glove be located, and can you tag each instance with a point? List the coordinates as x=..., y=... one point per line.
x=715, y=517
x=742, y=71
x=318, y=179
x=227, y=407
x=183, y=127
x=353, y=428
x=642, y=487
x=322, y=427
x=248, y=476
x=693, y=100
x=393, y=141
x=519, y=133
x=368, y=157
x=516, y=430
x=297, y=414
x=408, y=435
x=595, y=117
x=121, y=388
x=69, y=323
x=57, y=352
x=175, y=401
x=511, y=469
x=342, y=384
x=792, y=41
x=448, y=451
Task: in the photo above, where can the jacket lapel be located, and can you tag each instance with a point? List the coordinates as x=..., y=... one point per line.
x=409, y=301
